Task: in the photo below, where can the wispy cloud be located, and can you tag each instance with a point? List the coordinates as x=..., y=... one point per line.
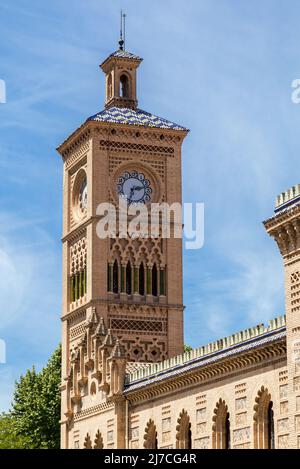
x=240, y=288
x=30, y=297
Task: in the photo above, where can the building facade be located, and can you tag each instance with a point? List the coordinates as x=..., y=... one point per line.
x=126, y=381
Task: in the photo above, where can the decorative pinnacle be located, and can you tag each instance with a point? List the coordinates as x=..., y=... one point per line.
x=118, y=350
x=93, y=319
x=100, y=329
x=109, y=339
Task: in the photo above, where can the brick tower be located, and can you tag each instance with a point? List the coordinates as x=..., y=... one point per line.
x=133, y=285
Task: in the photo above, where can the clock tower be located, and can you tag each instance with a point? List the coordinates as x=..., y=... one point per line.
x=128, y=288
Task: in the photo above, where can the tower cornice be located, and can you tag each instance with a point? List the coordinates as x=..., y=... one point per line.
x=284, y=227
x=83, y=133
x=121, y=58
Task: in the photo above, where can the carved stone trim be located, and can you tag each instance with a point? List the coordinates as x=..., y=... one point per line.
x=105, y=406
x=215, y=373
x=75, y=148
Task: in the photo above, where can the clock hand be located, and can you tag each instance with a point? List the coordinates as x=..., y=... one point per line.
x=132, y=189
x=129, y=198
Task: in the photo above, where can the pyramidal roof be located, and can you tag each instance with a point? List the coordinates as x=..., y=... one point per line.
x=120, y=115
x=124, y=54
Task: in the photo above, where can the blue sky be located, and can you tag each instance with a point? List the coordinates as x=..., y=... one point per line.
x=224, y=69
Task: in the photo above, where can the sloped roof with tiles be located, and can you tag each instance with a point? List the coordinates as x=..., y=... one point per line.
x=232, y=346
x=131, y=367
x=123, y=54
x=120, y=115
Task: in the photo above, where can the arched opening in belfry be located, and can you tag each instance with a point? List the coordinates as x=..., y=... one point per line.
x=109, y=86
x=183, y=434
x=150, y=436
x=221, y=426
x=128, y=278
x=263, y=427
x=115, y=277
x=124, y=86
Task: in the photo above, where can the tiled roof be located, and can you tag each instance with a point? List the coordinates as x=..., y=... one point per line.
x=203, y=361
x=284, y=210
x=131, y=367
x=287, y=205
x=230, y=346
x=123, y=54
x=180, y=369
x=118, y=115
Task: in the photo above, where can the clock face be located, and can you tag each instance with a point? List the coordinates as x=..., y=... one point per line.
x=83, y=195
x=134, y=187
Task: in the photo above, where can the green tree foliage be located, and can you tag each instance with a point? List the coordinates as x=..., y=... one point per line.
x=8, y=436
x=36, y=405
x=187, y=348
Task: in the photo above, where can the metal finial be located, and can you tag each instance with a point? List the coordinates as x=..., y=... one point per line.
x=124, y=22
x=122, y=31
